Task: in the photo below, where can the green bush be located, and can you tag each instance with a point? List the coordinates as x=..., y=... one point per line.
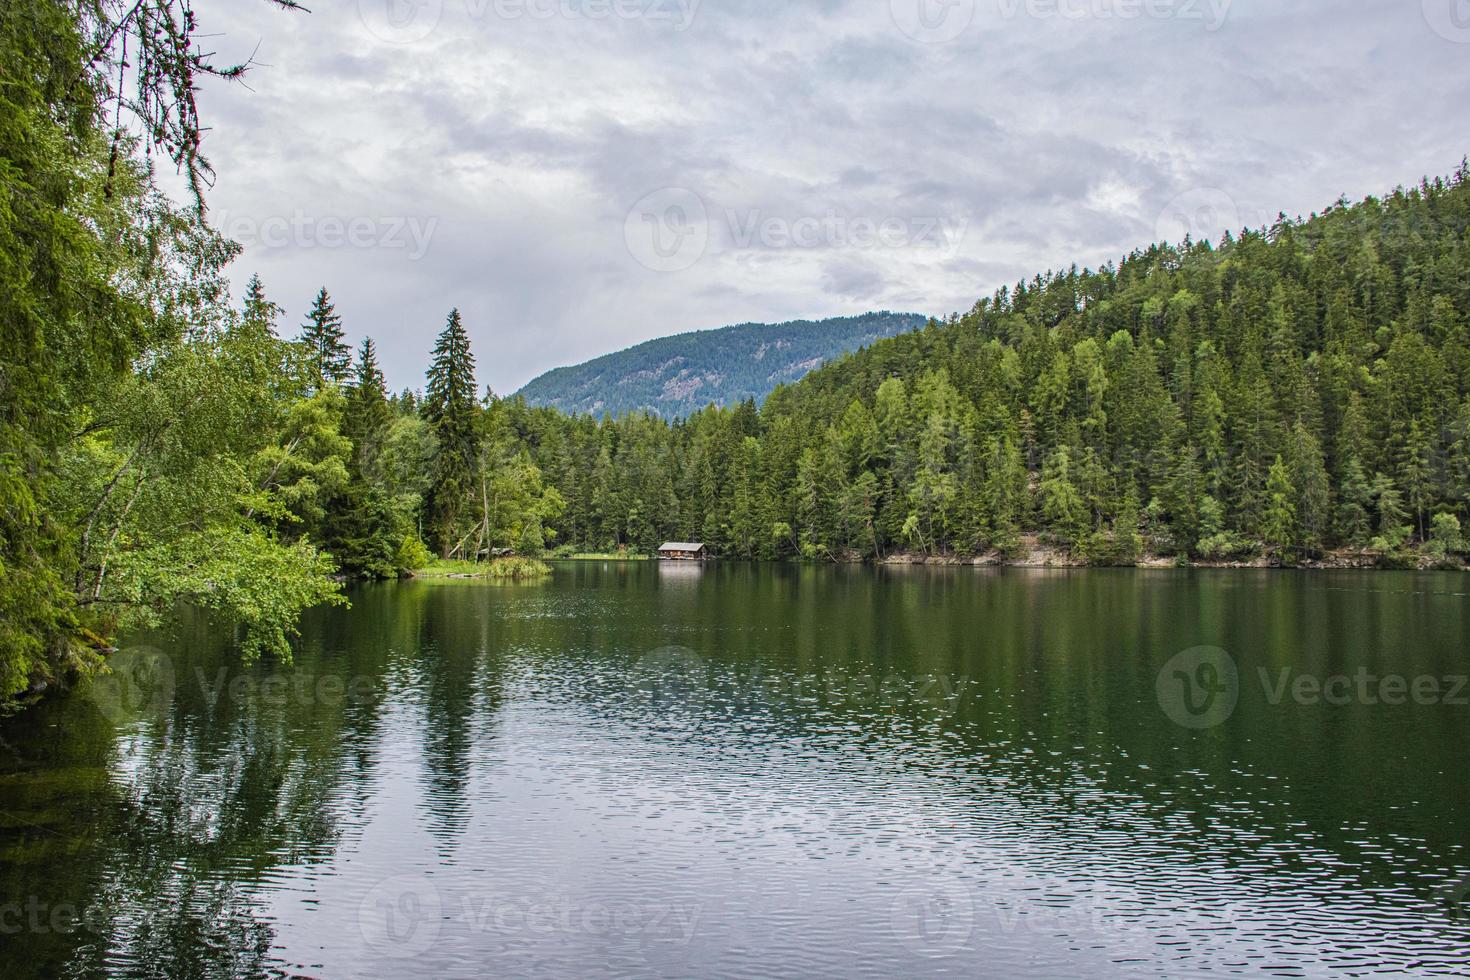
x=412, y=554
x=516, y=568
x=1225, y=546
x=1447, y=536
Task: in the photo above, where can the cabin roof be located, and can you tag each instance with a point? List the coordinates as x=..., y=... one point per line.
x=681, y=546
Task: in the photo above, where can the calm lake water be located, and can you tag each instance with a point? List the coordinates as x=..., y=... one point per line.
x=644, y=770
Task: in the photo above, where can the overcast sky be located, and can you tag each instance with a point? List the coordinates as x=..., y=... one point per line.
x=580, y=175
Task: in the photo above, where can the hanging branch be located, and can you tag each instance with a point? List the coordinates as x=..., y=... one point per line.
x=157, y=89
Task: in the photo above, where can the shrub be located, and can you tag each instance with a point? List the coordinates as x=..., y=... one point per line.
x=412, y=554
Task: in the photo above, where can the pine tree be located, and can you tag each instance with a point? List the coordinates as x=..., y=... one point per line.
x=1417, y=475
x=330, y=357
x=1278, y=523
x=1006, y=494
x=1353, y=522
x=260, y=313
x=1127, y=542
x=368, y=412
x=449, y=406
x=1313, y=487
x=1061, y=505
x=1392, y=530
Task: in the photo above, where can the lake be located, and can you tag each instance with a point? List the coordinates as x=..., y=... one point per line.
x=635, y=769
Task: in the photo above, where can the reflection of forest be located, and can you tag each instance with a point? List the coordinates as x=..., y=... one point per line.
x=154, y=837
x=169, y=832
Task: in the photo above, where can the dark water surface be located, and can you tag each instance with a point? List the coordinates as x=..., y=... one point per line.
x=639, y=770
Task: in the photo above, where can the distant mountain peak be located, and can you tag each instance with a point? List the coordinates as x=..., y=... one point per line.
x=676, y=375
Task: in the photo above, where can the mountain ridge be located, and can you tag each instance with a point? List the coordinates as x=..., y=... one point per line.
x=678, y=374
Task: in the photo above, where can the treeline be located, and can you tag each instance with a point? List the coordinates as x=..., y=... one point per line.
x=1293, y=390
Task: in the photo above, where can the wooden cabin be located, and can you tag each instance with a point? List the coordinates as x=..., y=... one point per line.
x=683, y=551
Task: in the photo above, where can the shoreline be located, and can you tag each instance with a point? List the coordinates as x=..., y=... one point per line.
x=1048, y=557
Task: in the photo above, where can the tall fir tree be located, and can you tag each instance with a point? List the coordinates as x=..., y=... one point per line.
x=260, y=313
x=322, y=334
x=449, y=406
x=368, y=412
x=1279, y=521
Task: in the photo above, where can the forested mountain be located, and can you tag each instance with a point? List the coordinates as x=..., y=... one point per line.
x=1296, y=389
x=673, y=376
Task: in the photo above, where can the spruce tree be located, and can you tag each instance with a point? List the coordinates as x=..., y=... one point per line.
x=1127, y=542
x=1313, y=487
x=1279, y=521
x=1061, y=506
x=330, y=357
x=260, y=313
x=449, y=406
x=368, y=412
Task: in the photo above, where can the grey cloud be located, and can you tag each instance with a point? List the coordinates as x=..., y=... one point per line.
x=528, y=141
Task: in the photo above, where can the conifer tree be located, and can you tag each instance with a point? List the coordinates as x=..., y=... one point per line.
x=1061, y=506
x=368, y=413
x=449, y=407
x=1127, y=543
x=260, y=313
x=1278, y=522
x=330, y=357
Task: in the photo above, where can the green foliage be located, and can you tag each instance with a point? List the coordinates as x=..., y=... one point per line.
x=449, y=406
x=1448, y=536
x=133, y=404
x=1061, y=506
x=411, y=554
x=516, y=567
x=1290, y=391
x=326, y=350
x=240, y=573
x=512, y=568
x=1279, y=522
x=1296, y=389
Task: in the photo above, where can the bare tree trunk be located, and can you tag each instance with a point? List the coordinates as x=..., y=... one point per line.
x=112, y=539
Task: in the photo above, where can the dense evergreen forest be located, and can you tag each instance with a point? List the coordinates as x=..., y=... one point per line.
x=673, y=376
x=1291, y=391
x=1295, y=390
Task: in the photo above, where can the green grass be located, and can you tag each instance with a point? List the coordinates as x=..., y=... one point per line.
x=513, y=569
x=567, y=552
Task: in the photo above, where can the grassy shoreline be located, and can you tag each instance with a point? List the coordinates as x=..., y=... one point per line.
x=497, y=569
